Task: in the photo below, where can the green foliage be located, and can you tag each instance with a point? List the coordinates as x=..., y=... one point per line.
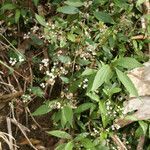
x=68, y=10
x=75, y=63
x=101, y=76
x=127, y=82
x=104, y=17
x=60, y=134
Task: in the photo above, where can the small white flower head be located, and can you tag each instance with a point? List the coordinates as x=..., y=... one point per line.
x=50, y=74
x=85, y=86
x=43, y=85
x=12, y=61
x=26, y=98
x=21, y=59
x=69, y=95
x=45, y=62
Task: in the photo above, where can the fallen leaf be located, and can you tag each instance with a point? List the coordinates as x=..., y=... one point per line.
x=139, y=108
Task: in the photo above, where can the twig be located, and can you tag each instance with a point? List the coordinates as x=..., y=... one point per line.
x=8, y=97
x=9, y=132
x=23, y=132
x=10, y=68
x=140, y=37
x=119, y=143
x=4, y=135
x=33, y=118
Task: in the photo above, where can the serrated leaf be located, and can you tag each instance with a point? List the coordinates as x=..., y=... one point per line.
x=101, y=76
x=74, y=3
x=8, y=6
x=69, y=146
x=84, y=107
x=128, y=62
x=68, y=10
x=60, y=134
x=104, y=17
x=125, y=80
x=17, y=15
x=41, y=20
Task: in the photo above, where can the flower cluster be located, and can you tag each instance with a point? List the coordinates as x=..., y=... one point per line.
x=95, y=132
x=26, y=36
x=111, y=110
x=12, y=61
x=84, y=84
x=26, y=98
x=55, y=105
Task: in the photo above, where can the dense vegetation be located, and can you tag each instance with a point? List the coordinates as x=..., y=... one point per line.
x=73, y=56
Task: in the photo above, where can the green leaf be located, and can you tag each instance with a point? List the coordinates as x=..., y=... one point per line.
x=125, y=80
x=64, y=59
x=93, y=96
x=41, y=20
x=139, y=2
x=101, y=76
x=69, y=146
x=83, y=62
x=37, y=91
x=63, y=118
x=36, y=2
x=36, y=40
x=64, y=79
x=67, y=114
x=84, y=107
x=61, y=147
x=88, y=72
x=128, y=62
x=43, y=109
x=71, y=37
x=144, y=126
x=103, y=112
x=104, y=17
x=87, y=143
x=81, y=136
x=8, y=6
x=68, y=10
x=76, y=3
x=60, y=134
x=17, y=15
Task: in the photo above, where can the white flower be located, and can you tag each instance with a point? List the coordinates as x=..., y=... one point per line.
x=45, y=62
x=21, y=59
x=12, y=61
x=85, y=86
x=43, y=85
